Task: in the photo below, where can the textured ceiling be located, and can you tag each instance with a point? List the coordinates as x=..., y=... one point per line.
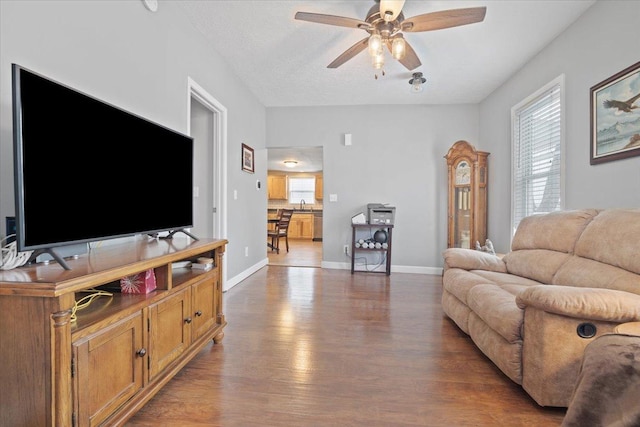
x=309, y=159
x=284, y=61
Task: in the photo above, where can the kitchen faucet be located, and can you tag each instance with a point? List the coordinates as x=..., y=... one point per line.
x=302, y=203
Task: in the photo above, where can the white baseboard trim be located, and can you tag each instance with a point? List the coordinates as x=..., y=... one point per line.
x=244, y=274
x=394, y=268
x=335, y=265
x=330, y=265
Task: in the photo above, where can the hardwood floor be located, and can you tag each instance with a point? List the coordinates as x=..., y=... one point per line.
x=302, y=253
x=320, y=347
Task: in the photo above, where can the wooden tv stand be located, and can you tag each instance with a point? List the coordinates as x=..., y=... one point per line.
x=103, y=367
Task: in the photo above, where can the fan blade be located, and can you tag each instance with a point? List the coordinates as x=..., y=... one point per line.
x=410, y=60
x=390, y=9
x=350, y=53
x=340, y=21
x=444, y=19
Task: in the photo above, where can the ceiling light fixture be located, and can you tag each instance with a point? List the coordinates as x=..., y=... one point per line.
x=385, y=24
x=416, y=82
x=375, y=44
x=398, y=47
x=385, y=31
x=290, y=163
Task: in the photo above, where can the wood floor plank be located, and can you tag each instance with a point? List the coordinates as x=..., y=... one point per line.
x=321, y=347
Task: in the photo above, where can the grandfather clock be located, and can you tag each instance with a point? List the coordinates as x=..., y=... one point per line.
x=467, y=207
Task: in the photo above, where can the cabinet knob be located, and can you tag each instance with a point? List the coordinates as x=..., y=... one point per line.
x=141, y=352
x=188, y=320
x=199, y=313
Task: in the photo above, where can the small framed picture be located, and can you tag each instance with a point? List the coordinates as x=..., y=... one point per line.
x=248, y=161
x=615, y=116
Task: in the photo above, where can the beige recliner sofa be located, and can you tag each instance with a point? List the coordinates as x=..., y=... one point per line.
x=570, y=277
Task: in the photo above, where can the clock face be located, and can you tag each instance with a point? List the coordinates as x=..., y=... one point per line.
x=463, y=173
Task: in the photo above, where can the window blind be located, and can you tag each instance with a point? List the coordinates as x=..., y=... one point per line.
x=302, y=189
x=537, y=155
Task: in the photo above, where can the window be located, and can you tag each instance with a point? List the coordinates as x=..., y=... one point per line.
x=537, y=147
x=302, y=189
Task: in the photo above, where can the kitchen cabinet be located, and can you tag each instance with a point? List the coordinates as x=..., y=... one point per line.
x=319, y=187
x=301, y=226
x=277, y=187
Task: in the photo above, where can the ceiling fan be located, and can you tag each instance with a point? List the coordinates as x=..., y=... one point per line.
x=386, y=24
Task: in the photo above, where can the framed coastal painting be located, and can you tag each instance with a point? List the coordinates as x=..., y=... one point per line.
x=248, y=162
x=615, y=116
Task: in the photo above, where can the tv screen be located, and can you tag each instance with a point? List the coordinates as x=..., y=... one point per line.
x=86, y=170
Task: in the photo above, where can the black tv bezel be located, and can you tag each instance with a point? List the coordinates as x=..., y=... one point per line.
x=18, y=172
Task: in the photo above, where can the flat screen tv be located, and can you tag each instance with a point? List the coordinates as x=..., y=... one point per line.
x=85, y=170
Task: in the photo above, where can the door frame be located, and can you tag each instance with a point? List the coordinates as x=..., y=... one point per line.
x=219, y=161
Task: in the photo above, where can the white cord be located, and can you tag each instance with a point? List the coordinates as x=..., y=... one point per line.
x=11, y=258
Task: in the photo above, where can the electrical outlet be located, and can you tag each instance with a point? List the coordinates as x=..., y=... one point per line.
x=246, y=251
x=346, y=249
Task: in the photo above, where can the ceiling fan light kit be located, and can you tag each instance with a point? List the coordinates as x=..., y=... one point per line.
x=385, y=24
x=375, y=44
x=417, y=82
x=398, y=47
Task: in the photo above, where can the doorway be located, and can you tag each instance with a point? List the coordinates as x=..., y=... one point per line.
x=207, y=124
x=295, y=181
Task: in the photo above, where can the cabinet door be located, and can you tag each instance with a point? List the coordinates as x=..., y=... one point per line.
x=306, y=227
x=319, y=188
x=277, y=187
x=109, y=369
x=203, y=303
x=294, y=227
x=169, y=330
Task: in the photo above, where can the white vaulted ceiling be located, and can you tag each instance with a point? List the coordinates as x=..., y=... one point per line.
x=284, y=61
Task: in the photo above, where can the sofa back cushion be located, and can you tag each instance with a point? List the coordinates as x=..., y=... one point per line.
x=556, y=231
x=583, y=272
x=536, y=264
x=613, y=237
x=543, y=243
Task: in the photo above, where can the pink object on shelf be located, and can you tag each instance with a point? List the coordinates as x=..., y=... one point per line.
x=141, y=283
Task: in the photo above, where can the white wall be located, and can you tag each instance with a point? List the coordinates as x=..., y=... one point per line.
x=140, y=61
x=397, y=157
x=602, y=42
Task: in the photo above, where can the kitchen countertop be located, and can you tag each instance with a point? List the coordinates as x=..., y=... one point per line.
x=295, y=211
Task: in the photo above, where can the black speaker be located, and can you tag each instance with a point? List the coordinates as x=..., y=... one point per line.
x=11, y=228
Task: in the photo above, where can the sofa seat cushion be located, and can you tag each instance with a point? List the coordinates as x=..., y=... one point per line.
x=497, y=308
x=536, y=264
x=586, y=273
x=458, y=282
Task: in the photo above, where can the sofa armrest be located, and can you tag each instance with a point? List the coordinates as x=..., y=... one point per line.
x=586, y=303
x=630, y=328
x=470, y=259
